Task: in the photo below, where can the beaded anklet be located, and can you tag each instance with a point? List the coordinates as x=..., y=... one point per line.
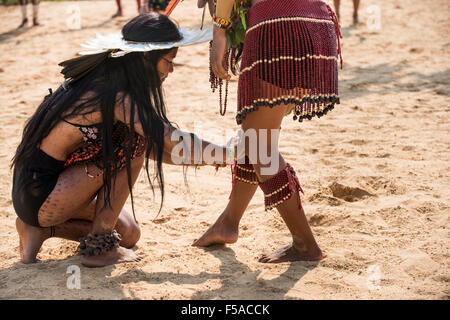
x=95, y=244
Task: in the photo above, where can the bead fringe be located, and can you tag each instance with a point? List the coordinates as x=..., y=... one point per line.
x=280, y=188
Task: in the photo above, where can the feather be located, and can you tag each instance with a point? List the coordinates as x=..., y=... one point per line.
x=76, y=68
x=114, y=41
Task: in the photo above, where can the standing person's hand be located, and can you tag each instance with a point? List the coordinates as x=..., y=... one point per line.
x=217, y=58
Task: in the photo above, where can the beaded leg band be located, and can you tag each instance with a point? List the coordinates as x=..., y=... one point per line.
x=280, y=188
x=95, y=244
x=244, y=172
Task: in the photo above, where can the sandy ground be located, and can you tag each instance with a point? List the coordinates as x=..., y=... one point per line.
x=375, y=171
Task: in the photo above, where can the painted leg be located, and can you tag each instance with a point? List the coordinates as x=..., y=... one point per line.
x=106, y=219
x=69, y=210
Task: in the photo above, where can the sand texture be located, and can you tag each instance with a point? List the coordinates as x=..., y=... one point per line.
x=375, y=170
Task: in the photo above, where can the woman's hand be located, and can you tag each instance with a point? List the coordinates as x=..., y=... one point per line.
x=184, y=148
x=219, y=48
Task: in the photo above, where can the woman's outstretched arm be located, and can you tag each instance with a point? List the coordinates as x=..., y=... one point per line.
x=180, y=147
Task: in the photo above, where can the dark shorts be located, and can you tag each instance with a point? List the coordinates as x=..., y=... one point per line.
x=33, y=184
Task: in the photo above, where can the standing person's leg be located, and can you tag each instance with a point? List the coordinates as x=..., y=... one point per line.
x=23, y=9
x=36, y=12
x=337, y=5
x=119, y=12
x=226, y=228
x=355, y=11
x=303, y=246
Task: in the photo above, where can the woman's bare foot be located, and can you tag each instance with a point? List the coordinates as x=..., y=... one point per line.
x=291, y=252
x=219, y=233
x=31, y=239
x=118, y=255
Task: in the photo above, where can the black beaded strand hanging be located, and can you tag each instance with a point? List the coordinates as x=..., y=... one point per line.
x=218, y=83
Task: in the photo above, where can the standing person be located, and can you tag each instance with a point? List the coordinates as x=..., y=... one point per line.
x=119, y=12
x=23, y=8
x=82, y=150
x=289, y=65
x=337, y=4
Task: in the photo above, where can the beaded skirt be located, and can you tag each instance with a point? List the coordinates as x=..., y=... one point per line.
x=290, y=56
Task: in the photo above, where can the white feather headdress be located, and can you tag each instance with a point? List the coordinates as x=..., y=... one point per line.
x=121, y=47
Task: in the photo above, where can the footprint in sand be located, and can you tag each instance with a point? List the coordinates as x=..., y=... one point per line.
x=323, y=197
x=358, y=142
x=161, y=220
x=318, y=220
x=349, y=194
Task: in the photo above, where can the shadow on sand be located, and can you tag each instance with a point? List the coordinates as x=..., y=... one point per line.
x=49, y=280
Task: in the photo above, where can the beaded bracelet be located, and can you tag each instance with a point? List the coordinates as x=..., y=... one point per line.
x=221, y=22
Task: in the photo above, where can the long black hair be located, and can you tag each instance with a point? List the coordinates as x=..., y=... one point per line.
x=133, y=75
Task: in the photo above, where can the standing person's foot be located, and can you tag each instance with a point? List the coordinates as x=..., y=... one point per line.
x=355, y=19
x=117, y=14
x=219, y=233
x=36, y=22
x=292, y=252
x=31, y=240
x=24, y=23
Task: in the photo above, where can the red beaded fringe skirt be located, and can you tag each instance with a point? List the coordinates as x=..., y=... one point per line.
x=290, y=56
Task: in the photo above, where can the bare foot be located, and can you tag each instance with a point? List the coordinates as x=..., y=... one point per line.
x=31, y=239
x=291, y=253
x=24, y=23
x=36, y=22
x=118, y=255
x=117, y=14
x=355, y=19
x=218, y=233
